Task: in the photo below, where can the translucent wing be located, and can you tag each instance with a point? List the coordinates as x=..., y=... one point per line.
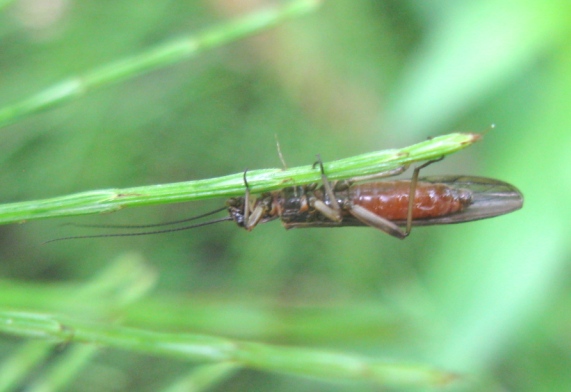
x=490, y=198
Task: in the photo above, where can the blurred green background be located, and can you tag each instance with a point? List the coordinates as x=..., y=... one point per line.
x=488, y=300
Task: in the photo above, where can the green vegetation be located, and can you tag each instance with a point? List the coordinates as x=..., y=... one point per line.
x=162, y=101
x=267, y=180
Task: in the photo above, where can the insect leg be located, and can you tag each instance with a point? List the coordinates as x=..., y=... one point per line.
x=373, y=220
x=246, y=201
x=280, y=152
x=333, y=212
x=255, y=217
x=345, y=184
x=251, y=216
x=327, y=185
x=387, y=173
x=412, y=193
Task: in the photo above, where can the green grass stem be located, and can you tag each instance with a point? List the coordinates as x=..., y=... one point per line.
x=200, y=348
x=264, y=180
x=119, y=281
x=156, y=58
x=203, y=377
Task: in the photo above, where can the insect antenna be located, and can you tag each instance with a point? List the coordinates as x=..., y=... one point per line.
x=163, y=231
x=104, y=226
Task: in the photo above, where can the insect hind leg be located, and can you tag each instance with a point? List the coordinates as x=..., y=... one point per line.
x=412, y=192
x=371, y=219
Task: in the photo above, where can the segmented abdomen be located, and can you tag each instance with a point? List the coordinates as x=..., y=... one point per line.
x=389, y=199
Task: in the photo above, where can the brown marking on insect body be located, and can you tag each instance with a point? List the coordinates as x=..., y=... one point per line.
x=390, y=199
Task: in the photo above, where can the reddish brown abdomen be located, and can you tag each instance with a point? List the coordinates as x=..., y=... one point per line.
x=389, y=199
